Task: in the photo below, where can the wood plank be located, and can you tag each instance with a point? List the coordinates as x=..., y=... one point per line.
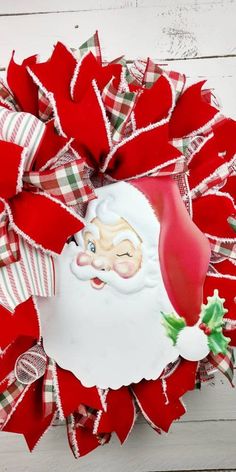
x=14, y=7
x=168, y=36
x=189, y=446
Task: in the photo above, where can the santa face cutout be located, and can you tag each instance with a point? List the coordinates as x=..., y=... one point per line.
x=105, y=323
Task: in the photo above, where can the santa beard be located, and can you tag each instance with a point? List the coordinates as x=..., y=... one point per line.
x=105, y=337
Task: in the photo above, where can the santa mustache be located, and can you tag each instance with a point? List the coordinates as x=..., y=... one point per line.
x=145, y=277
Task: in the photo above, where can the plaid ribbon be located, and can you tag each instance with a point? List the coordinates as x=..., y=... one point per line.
x=69, y=183
x=7, y=97
x=91, y=45
x=225, y=249
x=48, y=389
x=216, y=179
x=9, y=242
x=224, y=363
x=154, y=71
x=119, y=106
x=8, y=400
x=45, y=109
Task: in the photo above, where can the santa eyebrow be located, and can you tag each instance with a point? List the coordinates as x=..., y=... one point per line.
x=93, y=229
x=126, y=235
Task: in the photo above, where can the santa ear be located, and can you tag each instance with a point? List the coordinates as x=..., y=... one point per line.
x=184, y=251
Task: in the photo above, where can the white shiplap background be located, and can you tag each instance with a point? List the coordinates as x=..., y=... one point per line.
x=198, y=38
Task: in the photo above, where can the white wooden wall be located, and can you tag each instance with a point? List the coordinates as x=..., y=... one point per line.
x=198, y=38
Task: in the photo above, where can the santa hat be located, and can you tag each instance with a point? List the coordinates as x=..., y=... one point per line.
x=155, y=210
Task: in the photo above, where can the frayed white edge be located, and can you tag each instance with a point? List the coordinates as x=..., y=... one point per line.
x=19, y=184
x=208, y=179
x=51, y=99
x=221, y=240
x=44, y=432
x=230, y=322
x=57, y=391
x=130, y=138
x=172, y=91
x=133, y=422
x=201, y=145
x=165, y=376
x=103, y=110
x=220, y=194
x=38, y=316
x=103, y=396
x=145, y=414
x=218, y=275
x=164, y=389
x=61, y=151
x=73, y=437
x=150, y=171
x=16, y=405
x=123, y=85
x=133, y=121
x=205, y=127
x=76, y=73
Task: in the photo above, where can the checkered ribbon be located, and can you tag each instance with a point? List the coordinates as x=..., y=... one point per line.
x=154, y=71
x=224, y=363
x=9, y=241
x=7, y=98
x=69, y=183
x=9, y=399
x=214, y=180
x=226, y=249
x=49, y=389
x=45, y=109
x=91, y=45
x=119, y=107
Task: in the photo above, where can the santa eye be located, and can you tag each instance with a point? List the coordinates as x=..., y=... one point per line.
x=91, y=246
x=124, y=254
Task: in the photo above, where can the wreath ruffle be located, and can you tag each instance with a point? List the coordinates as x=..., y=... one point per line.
x=67, y=125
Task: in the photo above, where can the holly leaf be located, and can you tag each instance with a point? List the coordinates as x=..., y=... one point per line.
x=218, y=343
x=173, y=325
x=212, y=314
x=232, y=222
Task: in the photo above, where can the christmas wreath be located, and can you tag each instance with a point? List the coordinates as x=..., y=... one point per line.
x=117, y=244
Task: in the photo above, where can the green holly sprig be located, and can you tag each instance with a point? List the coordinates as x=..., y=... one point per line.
x=211, y=323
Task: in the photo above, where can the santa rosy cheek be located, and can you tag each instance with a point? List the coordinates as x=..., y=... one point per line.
x=83, y=259
x=125, y=269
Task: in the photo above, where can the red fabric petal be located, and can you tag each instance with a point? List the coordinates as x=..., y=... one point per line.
x=49, y=147
x=10, y=159
x=153, y=104
x=24, y=322
x=8, y=359
x=224, y=132
x=142, y=154
x=210, y=213
x=154, y=402
x=55, y=74
x=230, y=187
x=28, y=418
x=90, y=69
x=191, y=112
x=204, y=163
x=86, y=441
x=120, y=414
x=47, y=223
x=73, y=393
x=84, y=122
x=22, y=86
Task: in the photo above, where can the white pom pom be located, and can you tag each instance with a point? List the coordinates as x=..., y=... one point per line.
x=192, y=343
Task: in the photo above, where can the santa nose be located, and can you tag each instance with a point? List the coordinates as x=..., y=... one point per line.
x=101, y=263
